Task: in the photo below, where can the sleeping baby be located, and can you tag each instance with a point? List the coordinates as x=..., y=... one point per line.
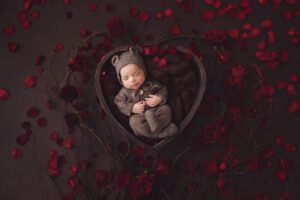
x=144, y=101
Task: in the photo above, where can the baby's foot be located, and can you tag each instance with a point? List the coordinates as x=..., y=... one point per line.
x=169, y=131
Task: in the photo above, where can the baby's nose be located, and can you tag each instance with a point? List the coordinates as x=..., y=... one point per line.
x=132, y=79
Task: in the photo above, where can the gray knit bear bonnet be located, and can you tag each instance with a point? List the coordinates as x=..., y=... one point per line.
x=132, y=56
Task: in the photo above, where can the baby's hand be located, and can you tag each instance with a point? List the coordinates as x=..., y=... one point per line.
x=153, y=100
x=139, y=107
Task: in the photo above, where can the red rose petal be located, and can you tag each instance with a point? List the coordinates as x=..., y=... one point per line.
x=289, y=147
x=40, y=60
x=162, y=167
x=68, y=142
x=287, y=15
x=262, y=45
x=26, y=24
x=281, y=84
x=169, y=12
x=291, y=89
x=138, y=151
x=74, y=169
x=12, y=46
x=16, y=153
x=162, y=63
x=267, y=23
x=34, y=14
x=93, y=7
x=22, y=139
x=84, y=33
x=207, y=15
x=263, y=2
x=32, y=112
x=234, y=34
x=27, y=4
x=223, y=166
x=22, y=16
x=8, y=30
x=58, y=47
x=4, y=93
x=244, y=3
x=210, y=167
x=41, y=122
x=134, y=12
x=54, y=136
x=175, y=29
x=159, y=15
x=281, y=175
x=241, y=16
x=67, y=2
x=255, y=32
x=144, y=16
x=271, y=37
x=294, y=78
x=72, y=182
x=293, y=106
x=30, y=81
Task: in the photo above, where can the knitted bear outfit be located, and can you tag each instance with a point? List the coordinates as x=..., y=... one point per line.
x=155, y=122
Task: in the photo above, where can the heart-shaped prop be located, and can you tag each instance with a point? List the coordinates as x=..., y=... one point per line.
x=181, y=71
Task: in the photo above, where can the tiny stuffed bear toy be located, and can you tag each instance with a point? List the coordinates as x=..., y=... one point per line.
x=144, y=101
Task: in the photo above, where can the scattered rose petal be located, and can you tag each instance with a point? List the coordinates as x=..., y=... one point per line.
x=58, y=47
x=293, y=106
x=207, y=15
x=175, y=29
x=12, y=46
x=22, y=139
x=144, y=16
x=67, y=2
x=4, y=94
x=134, y=12
x=68, y=142
x=162, y=167
x=267, y=24
x=54, y=136
x=169, y=12
x=281, y=175
x=34, y=14
x=93, y=7
x=32, y=112
x=16, y=153
x=41, y=122
x=30, y=81
x=8, y=30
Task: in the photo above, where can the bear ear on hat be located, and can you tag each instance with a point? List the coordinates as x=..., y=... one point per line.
x=134, y=50
x=115, y=60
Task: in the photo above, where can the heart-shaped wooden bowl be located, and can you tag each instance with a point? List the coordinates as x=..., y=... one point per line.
x=184, y=76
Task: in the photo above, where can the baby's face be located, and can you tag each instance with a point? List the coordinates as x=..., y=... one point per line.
x=132, y=76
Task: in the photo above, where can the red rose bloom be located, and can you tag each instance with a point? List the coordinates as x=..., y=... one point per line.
x=142, y=186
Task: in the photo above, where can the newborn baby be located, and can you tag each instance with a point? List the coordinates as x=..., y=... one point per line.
x=144, y=101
